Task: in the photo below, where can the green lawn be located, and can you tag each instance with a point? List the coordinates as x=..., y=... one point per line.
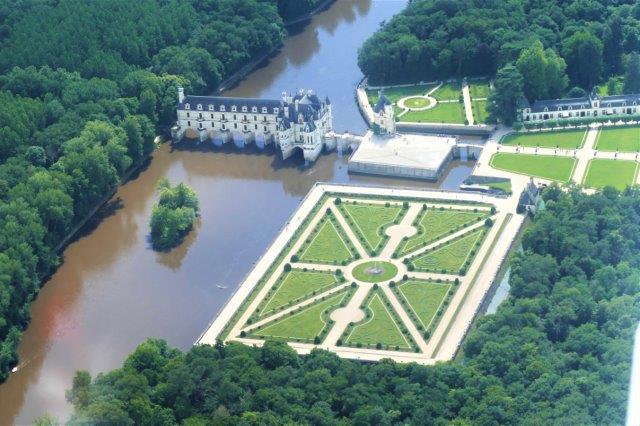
x=504, y=186
x=623, y=139
x=424, y=298
x=450, y=257
x=327, y=245
x=304, y=325
x=379, y=328
x=417, y=102
x=370, y=221
x=296, y=285
x=543, y=166
x=452, y=112
x=616, y=173
x=360, y=272
x=479, y=90
x=435, y=224
x=394, y=94
x=565, y=139
x=480, y=113
x=448, y=91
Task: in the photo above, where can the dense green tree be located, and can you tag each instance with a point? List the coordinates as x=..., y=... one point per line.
x=173, y=216
x=507, y=93
x=583, y=53
x=632, y=74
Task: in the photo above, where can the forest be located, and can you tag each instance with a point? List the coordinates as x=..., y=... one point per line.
x=84, y=85
x=557, y=351
x=440, y=39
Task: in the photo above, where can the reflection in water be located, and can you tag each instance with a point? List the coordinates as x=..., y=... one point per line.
x=113, y=291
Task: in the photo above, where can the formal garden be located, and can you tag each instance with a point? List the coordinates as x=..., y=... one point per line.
x=564, y=139
x=366, y=273
x=555, y=168
x=606, y=172
x=621, y=139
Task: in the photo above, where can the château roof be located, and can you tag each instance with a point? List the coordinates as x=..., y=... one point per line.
x=585, y=103
x=213, y=103
x=382, y=102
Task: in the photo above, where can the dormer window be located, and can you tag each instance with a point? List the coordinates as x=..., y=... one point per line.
x=222, y=108
x=546, y=109
x=264, y=110
x=187, y=106
x=244, y=109
x=234, y=108
x=254, y=109
x=211, y=108
x=199, y=107
x=275, y=110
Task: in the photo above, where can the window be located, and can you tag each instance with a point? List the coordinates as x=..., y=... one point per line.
x=256, y=127
x=234, y=108
x=211, y=109
x=244, y=109
x=245, y=118
x=265, y=128
x=223, y=116
x=254, y=109
x=187, y=106
x=275, y=110
x=199, y=107
x=264, y=110
x=187, y=115
x=235, y=117
x=222, y=109
x=212, y=116
x=189, y=123
x=245, y=127
x=235, y=125
x=255, y=118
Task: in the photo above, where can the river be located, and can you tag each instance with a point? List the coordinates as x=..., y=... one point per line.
x=113, y=291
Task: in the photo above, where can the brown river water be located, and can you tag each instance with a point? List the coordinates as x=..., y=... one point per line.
x=113, y=291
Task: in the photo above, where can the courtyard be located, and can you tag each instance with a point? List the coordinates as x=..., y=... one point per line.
x=371, y=275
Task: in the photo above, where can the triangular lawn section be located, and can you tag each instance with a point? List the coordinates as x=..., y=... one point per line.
x=295, y=285
x=379, y=328
x=451, y=256
x=436, y=224
x=371, y=220
x=327, y=246
x=424, y=298
x=305, y=325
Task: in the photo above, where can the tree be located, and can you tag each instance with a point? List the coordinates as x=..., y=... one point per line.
x=632, y=74
x=507, y=94
x=173, y=216
x=583, y=54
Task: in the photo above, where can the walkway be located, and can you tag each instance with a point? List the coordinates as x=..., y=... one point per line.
x=585, y=154
x=467, y=104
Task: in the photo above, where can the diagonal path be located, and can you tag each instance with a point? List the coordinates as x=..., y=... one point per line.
x=398, y=232
x=404, y=317
x=347, y=229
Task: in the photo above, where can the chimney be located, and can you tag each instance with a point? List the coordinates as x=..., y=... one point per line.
x=180, y=95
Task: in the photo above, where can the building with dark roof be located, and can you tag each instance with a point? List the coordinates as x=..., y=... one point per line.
x=298, y=121
x=383, y=115
x=588, y=106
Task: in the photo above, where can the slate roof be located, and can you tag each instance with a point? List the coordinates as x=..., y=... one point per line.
x=228, y=102
x=382, y=101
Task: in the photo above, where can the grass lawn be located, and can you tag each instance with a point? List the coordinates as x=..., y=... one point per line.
x=416, y=102
x=479, y=90
x=480, y=113
x=451, y=112
x=379, y=328
x=435, y=224
x=623, y=139
x=394, y=94
x=327, y=245
x=543, y=166
x=370, y=221
x=504, y=186
x=360, y=272
x=450, y=257
x=565, y=139
x=304, y=325
x=448, y=91
x=296, y=285
x=424, y=298
x=616, y=173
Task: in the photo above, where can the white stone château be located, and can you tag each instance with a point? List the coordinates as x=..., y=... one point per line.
x=589, y=106
x=383, y=115
x=293, y=122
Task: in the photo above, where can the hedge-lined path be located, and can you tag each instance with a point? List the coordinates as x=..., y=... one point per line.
x=347, y=229
x=404, y=317
x=443, y=240
x=350, y=313
x=397, y=232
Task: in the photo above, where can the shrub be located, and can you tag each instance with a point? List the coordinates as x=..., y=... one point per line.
x=243, y=333
x=294, y=258
x=287, y=267
x=338, y=201
x=378, y=345
x=316, y=340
